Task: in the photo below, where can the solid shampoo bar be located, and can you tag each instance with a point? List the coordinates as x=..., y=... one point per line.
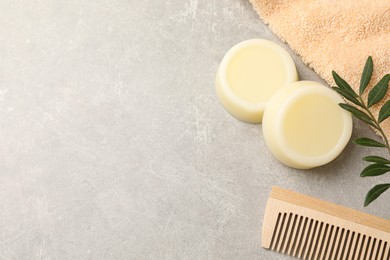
x=249, y=74
x=304, y=126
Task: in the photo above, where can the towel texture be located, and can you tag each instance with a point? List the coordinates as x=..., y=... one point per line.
x=335, y=35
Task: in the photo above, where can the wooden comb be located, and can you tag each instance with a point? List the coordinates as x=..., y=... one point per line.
x=309, y=228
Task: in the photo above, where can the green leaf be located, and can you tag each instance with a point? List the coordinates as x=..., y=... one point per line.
x=366, y=76
x=378, y=91
x=376, y=159
x=384, y=112
x=364, y=141
x=358, y=113
x=343, y=84
x=375, y=169
x=348, y=96
x=375, y=192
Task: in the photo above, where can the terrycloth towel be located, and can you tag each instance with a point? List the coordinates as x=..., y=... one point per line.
x=335, y=35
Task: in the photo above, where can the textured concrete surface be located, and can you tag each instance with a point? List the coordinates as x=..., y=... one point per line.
x=114, y=146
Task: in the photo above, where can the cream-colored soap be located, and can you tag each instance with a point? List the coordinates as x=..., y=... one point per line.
x=249, y=74
x=303, y=125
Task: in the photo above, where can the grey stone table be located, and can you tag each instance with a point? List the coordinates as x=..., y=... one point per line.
x=113, y=144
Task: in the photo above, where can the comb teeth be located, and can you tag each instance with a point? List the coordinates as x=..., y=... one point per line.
x=307, y=238
x=308, y=228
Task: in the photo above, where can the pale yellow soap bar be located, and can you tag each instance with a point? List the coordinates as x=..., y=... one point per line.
x=249, y=74
x=303, y=125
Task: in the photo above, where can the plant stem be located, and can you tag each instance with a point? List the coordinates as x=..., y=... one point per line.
x=376, y=124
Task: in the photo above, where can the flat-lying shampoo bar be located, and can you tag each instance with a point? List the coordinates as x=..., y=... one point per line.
x=304, y=126
x=249, y=74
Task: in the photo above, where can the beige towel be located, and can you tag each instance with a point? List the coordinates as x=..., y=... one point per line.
x=335, y=35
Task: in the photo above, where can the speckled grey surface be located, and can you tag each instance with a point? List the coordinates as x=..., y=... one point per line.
x=113, y=144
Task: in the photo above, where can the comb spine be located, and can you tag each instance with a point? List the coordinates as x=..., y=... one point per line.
x=331, y=209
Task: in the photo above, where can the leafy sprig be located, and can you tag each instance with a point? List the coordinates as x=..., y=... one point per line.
x=361, y=110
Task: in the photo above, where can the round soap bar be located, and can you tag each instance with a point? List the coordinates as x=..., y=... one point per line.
x=303, y=125
x=249, y=74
